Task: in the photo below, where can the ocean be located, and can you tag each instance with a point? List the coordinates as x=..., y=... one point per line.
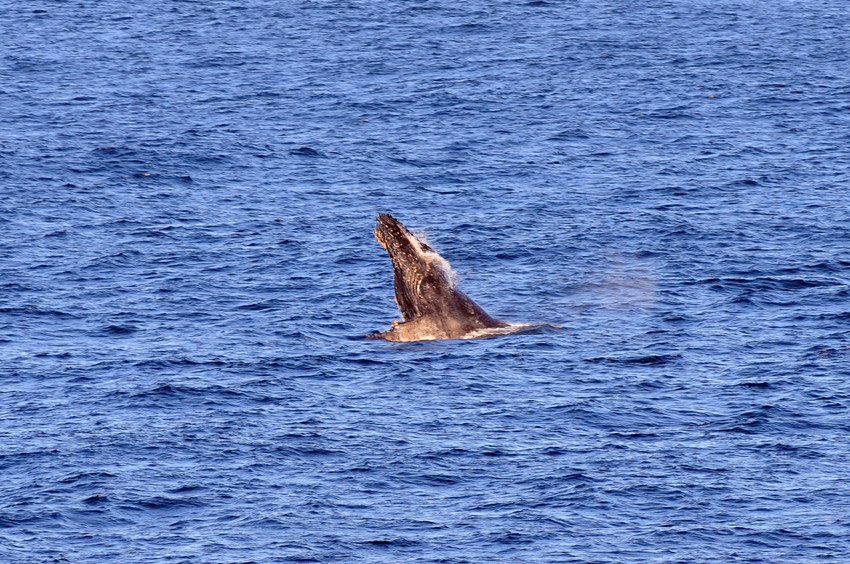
x=188, y=271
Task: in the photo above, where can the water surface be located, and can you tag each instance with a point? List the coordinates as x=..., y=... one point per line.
x=187, y=267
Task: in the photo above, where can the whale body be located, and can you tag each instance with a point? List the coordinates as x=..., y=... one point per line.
x=432, y=307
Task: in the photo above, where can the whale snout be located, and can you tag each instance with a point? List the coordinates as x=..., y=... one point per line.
x=390, y=231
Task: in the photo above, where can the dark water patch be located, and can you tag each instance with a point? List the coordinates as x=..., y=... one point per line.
x=186, y=488
x=119, y=330
x=766, y=418
x=268, y=305
x=649, y=360
x=633, y=436
x=755, y=385
x=768, y=283
x=161, y=503
x=36, y=311
x=87, y=477
x=306, y=152
x=164, y=394
x=389, y=543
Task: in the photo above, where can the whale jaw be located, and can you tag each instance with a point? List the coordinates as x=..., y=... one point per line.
x=431, y=305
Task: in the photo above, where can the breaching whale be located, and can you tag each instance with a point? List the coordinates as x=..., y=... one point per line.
x=432, y=307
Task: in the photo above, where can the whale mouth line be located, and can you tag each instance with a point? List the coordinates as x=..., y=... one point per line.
x=431, y=305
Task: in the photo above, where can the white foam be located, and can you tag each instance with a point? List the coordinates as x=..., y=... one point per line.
x=433, y=258
x=507, y=330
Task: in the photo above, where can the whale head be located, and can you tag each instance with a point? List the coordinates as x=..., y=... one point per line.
x=423, y=279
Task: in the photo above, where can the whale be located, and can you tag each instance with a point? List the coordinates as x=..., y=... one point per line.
x=432, y=306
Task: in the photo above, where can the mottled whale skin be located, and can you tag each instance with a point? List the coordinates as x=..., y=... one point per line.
x=431, y=305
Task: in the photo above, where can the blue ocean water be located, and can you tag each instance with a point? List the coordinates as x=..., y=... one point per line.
x=187, y=268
